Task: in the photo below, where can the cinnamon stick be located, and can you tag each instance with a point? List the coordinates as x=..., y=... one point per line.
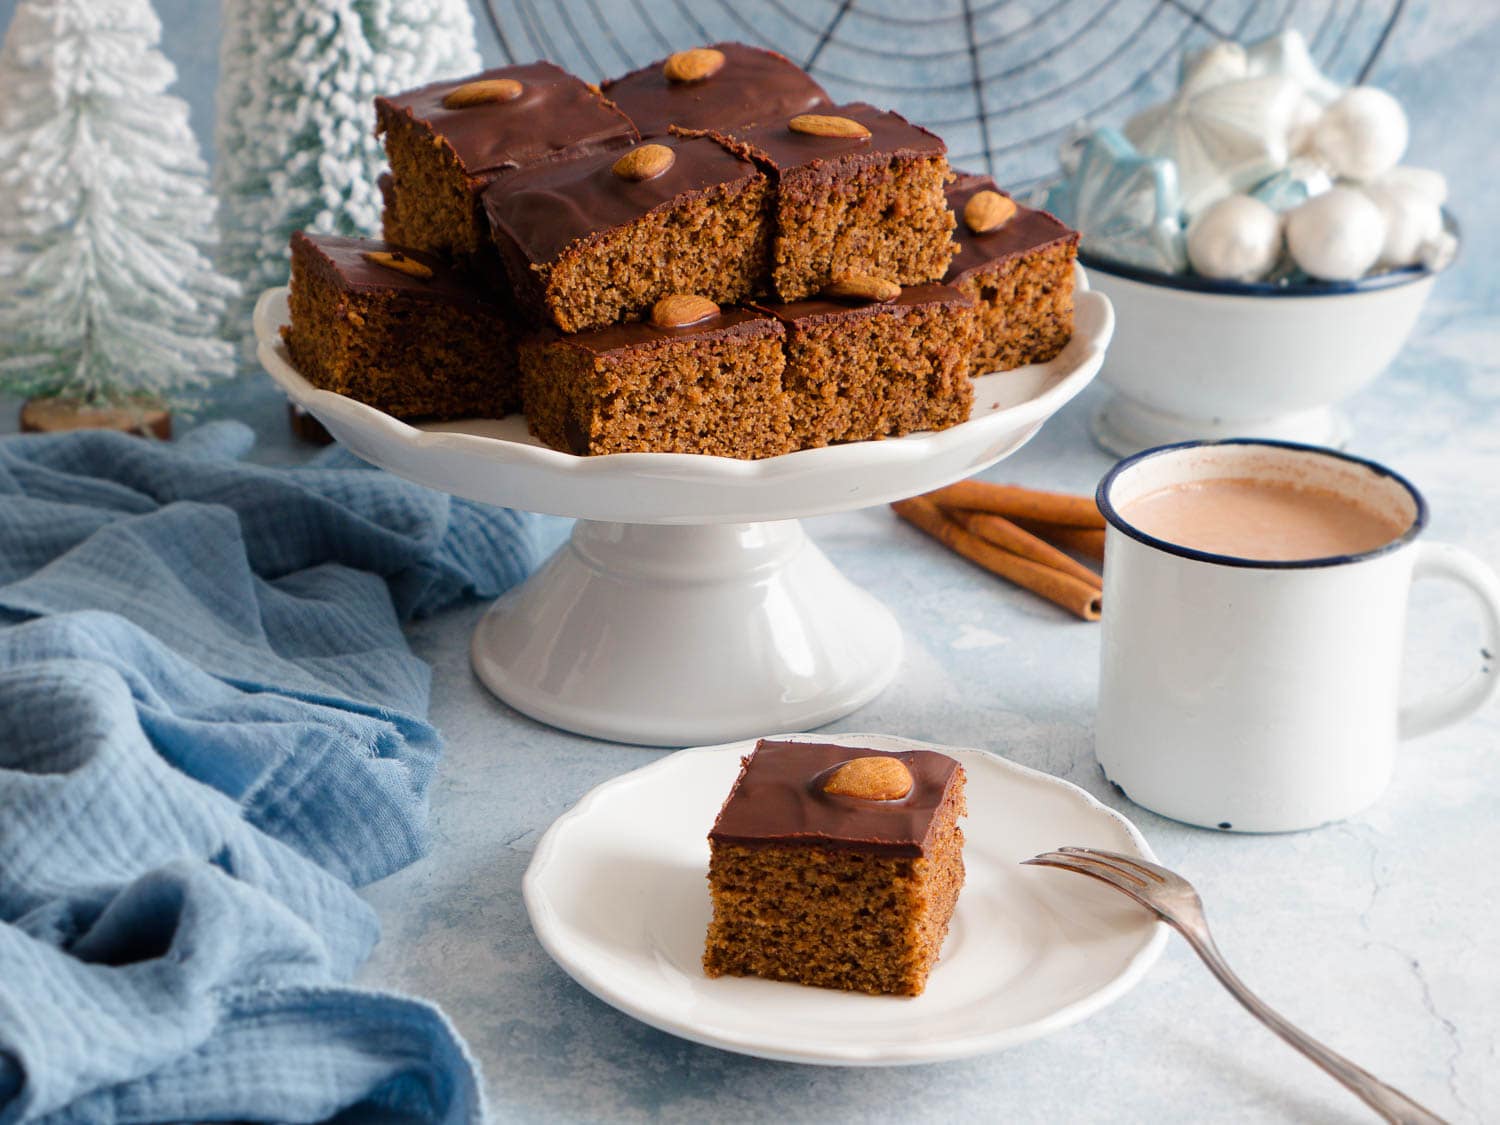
x=1076, y=596
x=1083, y=540
x=1014, y=502
x=1002, y=533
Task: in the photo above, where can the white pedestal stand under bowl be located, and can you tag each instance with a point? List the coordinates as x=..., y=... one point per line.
x=689, y=606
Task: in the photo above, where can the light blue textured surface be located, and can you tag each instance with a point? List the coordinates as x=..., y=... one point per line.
x=214, y=730
x=1377, y=934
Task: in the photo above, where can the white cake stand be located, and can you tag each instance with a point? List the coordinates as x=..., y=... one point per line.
x=689, y=606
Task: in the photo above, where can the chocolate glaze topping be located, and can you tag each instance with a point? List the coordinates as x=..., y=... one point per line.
x=544, y=208
x=752, y=85
x=817, y=310
x=1027, y=230
x=343, y=260
x=776, y=146
x=554, y=112
x=778, y=800
x=731, y=323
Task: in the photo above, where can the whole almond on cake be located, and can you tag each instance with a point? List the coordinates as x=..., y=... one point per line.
x=694, y=65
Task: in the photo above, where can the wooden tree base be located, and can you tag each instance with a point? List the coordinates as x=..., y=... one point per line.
x=306, y=427
x=60, y=415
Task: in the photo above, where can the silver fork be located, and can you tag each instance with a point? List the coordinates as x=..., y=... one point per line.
x=1173, y=899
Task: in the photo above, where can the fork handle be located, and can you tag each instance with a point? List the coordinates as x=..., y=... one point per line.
x=1385, y=1100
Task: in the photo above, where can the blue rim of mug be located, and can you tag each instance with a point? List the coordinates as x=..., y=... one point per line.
x=1112, y=516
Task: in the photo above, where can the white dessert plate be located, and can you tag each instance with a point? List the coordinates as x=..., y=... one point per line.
x=618, y=895
x=496, y=461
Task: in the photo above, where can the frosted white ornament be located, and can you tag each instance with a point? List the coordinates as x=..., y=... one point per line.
x=1214, y=65
x=1224, y=139
x=1238, y=239
x=1286, y=53
x=1430, y=185
x=1411, y=223
x=1362, y=135
x=1304, y=120
x=1336, y=236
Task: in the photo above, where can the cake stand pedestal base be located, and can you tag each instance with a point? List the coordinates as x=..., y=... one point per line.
x=1124, y=426
x=684, y=635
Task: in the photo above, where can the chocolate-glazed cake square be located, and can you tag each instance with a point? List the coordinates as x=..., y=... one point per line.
x=398, y=329
x=448, y=140
x=709, y=87
x=602, y=237
x=709, y=387
x=1020, y=274
x=858, y=191
x=859, y=369
x=836, y=866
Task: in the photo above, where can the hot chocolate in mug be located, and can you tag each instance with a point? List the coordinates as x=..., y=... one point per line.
x=1261, y=694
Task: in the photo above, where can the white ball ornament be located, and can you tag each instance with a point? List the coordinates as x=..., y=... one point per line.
x=1362, y=135
x=1304, y=123
x=1336, y=236
x=1430, y=185
x=1238, y=238
x=1411, y=222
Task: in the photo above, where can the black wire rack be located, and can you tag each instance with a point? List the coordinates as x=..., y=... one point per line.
x=1003, y=81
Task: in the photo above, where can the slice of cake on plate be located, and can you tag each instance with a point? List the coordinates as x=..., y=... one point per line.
x=836, y=866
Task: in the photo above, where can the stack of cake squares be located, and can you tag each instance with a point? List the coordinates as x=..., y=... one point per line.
x=705, y=255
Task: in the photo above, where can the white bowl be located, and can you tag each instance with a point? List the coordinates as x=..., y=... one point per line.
x=1198, y=359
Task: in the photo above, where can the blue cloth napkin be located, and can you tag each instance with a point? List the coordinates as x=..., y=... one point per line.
x=211, y=731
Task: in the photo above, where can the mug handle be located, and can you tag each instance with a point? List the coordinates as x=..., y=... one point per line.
x=1442, y=560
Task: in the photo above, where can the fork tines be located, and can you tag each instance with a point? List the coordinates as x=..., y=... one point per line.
x=1122, y=872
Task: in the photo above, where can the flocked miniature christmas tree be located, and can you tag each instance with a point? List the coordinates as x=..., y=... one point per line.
x=107, y=294
x=295, y=136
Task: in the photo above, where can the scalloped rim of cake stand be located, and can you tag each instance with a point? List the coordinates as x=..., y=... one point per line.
x=689, y=606
x=686, y=488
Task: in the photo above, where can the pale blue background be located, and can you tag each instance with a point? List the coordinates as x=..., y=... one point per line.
x=1378, y=933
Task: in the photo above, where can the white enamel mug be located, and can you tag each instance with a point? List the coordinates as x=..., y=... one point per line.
x=1262, y=696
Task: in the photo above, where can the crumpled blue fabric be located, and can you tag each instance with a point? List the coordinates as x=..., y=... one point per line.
x=211, y=732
